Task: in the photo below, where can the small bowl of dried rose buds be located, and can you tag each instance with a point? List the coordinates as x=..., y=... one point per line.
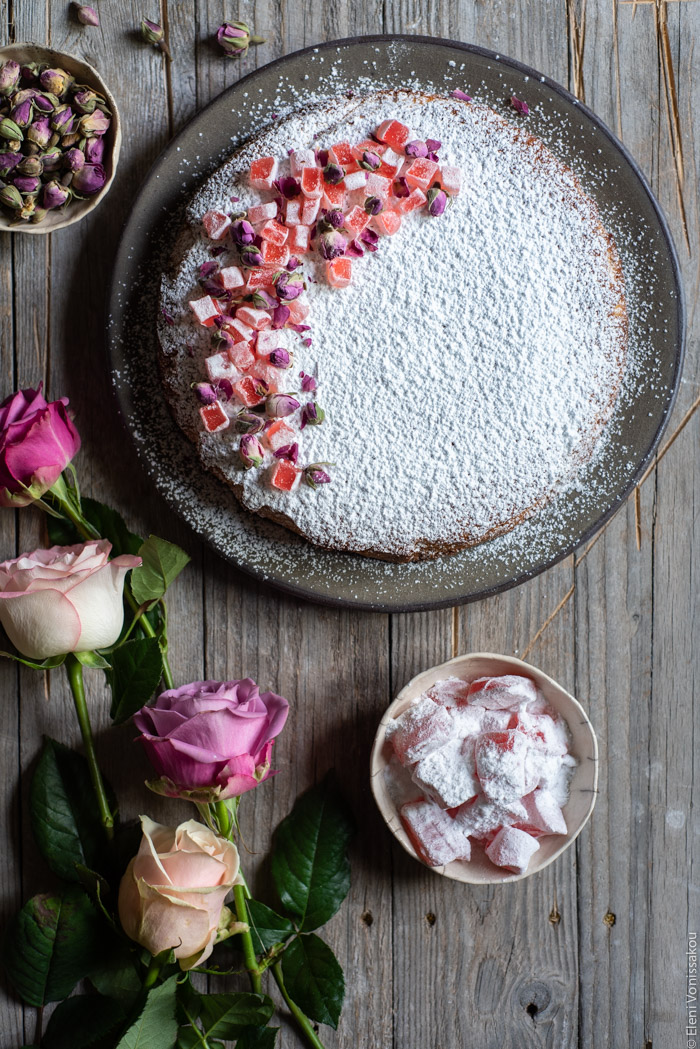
x=59, y=138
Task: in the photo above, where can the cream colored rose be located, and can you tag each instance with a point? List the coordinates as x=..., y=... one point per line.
x=65, y=599
x=173, y=891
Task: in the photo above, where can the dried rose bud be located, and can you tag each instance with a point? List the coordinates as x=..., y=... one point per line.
x=206, y=394
x=322, y=157
x=416, y=149
x=288, y=451
x=70, y=140
x=434, y=157
x=11, y=198
x=39, y=214
x=96, y=123
x=333, y=174
x=224, y=388
x=251, y=451
x=293, y=263
x=242, y=232
x=370, y=161
x=207, y=269
x=46, y=103
x=9, y=77
x=314, y=475
x=8, y=162
x=85, y=100
x=39, y=132
x=56, y=81
x=260, y=387
x=248, y=422
x=222, y=340
x=30, y=166
x=289, y=289
x=62, y=120
x=22, y=114
x=280, y=316
x=373, y=205
x=250, y=255
x=89, y=179
x=335, y=218
x=55, y=195
x=437, y=201
x=26, y=183
x=94, y=150
x=74, y=159
x=332, y=245
x=401, y=187
x=519, y=106
x=235, y=38
x=279, y=405
x=289, y=187
x=308, y=383
x=28, y=209
x=280, y=358
x=52, y=158
x=86, y=15
x=262, y=300
x=10, y=131
x=312, y=415
x=461, y=95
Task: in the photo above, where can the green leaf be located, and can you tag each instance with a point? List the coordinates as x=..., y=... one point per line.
x=104, y=520
x=52, y=943
x=226, y=1015
x=83, y=1022
x=137, y=667
x=267, y=928
x=189, y=1038
x=48, y=664
x=310, y=867
x=162, y=564
x=64, y=813
x=92, y=660
x=258, y=1038
x=314, y=979
x=115, y=974
x=156, y=1027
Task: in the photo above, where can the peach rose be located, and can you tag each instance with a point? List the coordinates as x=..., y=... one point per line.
x=173, y=891
x=65, y=599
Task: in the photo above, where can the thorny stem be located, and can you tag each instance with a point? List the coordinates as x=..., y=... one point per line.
x=301, y=1019
x=74, y=670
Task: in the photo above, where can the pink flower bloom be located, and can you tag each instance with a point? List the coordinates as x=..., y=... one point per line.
x=211, y=740
x=37, y=441
x=65, y=599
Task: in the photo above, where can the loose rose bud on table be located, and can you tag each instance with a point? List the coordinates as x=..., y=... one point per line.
x=235, y=38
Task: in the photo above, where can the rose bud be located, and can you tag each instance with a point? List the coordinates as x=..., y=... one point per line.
x=94, y=149
x=152, y=33
x=242, y=232
x=89, y=179
x=84, y=101
x=279, y=405
x=172, y=894
x=335, y=219
x=22, y=113
x=235, y=38
x=250, y=255
x=86, y=15
x=62, y=120
x=26, y=183
x=56, y=81
x=211, y=740
x=65, y=599
x=280, y=358
x=312, y=415
x=314, y=475
x=55, y=195
x=262, y=300
x=289, y=187
x=289, y=289
x=52, y=158
x=288, y=451
x=74, y=159
x=333, y=174
x=437, y=201
x=10, y=131
x=95, y=123
x=30, y=166
x=40, y=132
x=37, y=441
x=416, y=149
x=70, y=140
x=370, y=161
x=224, y=388
x=280, y=316
x=250, y=451
x=308, y=383
x=8, y=162
x=205, y=392
x=373, y=205
x=39, y=214
x=46, y=103
x=332, y=245
x=9, y=77
x=11, y=197
x=248, y=422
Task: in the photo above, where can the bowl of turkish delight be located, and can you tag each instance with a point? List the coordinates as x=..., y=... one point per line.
x=485, y=769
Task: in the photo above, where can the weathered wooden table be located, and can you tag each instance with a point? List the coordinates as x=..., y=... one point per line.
x=591, y=952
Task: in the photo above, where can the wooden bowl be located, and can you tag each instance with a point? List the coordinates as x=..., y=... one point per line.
x=584, y=747
x=84, y=73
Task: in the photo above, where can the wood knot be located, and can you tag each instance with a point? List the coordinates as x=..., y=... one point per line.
x=430, y=919
x=367, y=918
x=534, y=997
x=609, y=919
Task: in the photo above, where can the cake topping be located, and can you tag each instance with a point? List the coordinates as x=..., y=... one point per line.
x=519, y=106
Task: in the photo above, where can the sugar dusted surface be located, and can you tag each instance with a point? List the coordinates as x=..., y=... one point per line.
x=470, y=366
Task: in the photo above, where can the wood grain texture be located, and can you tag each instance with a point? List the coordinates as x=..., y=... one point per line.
x=591, y=952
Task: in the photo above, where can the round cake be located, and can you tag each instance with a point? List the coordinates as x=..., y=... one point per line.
x=463, y=377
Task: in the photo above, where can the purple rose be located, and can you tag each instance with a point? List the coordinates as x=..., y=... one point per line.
x=211, y=740
x=37, y=441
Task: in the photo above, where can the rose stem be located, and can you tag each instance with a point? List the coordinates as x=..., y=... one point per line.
x=240, y=894
x=152, y=973
x=303, y=1020
x=74, y=671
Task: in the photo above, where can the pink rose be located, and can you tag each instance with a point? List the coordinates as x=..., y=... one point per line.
x=173, y=891
x=66, y=599
x=211, y=740
x=37, y=441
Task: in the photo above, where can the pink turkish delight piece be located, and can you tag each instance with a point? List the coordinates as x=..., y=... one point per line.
x=399, y=784
x=447, y=775
x=421, y=172
x=299, y=240
x=507, y=691
x=355, y=180
x=334, y=196
x=450, y=179
x=279, y=435
x=378, y=185
x=298, y=310
x=300, y=159
x=256, y=319
x=263, y=172
x=500, y=765
x=435, y=836
x=356, y=220
x=547, y=733
x=496, y=720
x=266, y=342
x=309, y=212
x=422, y=728
x=312, y=183
x=544, y=813
x=262, y=212
x=214, y=417
x=512, y=849
x=241, y=356
x=451, y=692
x=216, y=224
x=205, y=310
x=276, y=255
x=343, y=154
x=416, y=199
x=387, y=223
x=240, y=331
x=258, y=278
x=468, y=721
x=393, y=133
x=231, y=277
x=483, y=817
x=220, y=366
x=268, y=373
x=274, y=232
x=292, y=211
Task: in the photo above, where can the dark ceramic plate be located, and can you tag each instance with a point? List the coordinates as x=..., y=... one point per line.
x=267, y=551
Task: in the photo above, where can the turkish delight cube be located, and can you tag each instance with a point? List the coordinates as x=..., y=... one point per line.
x=483, y=817
x=507, y=691
x=421, y=172
x=387, y=223
x=220, y=366
x=435, y=836
x=216, y=224
x=450, y=692
x=268, y=373
x=214, y=417
x=205, y=310
x=309, y=212
x=274, y=232
x=447, y=775
x=292, y=211
x=256, y=319
x=334, y=196
x=279, y=435
x=355, y=180
x=258, y=278
x=342, y=153
x=284, y=476
x=500, y=765
x=231, y=277
x=378, y=185
x=248, y=391
x=298, y=310
x=239, y=331
x=262, y=212
x=263, y=172
x=468, y=721
x=415, y=199
x=512, y=849
x=299, y=240
x=544, y=813
x=422, y=728
x=300, y=159
x=450, y=178
x=356, y=220
x=394, y=134
x=312, y=183
x=241, y=356
x=267, y=341
x=276, y=255
x=339, y=272
x=547, y=733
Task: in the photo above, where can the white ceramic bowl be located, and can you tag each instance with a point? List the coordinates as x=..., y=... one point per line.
x=584, y=747
x=84, y=73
